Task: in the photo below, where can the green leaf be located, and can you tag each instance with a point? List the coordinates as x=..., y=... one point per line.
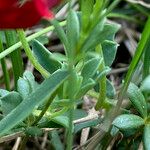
x=90, y=83
x=114, y=131
x=23, y=88
x=86, y=9
x=60, y=32
x=109, y=51
x=92, y=39
x=40, y=95
x=60, y=57
x=100, y=34
x=48, y=123
x=90, y=68
x=137, y=99
x=97, y=9
x=77, y=114
x=85, y=88
x=10, y=102
x=72, y=32
x=44, y=39
x=55, y=137
x=86, y=124
x=31, y=80
x=101, y=74
x=145, y=86
x=3, y=92
x=146, y=137
x=45, y=57
x=61, y=103
x=109, y=31
x=128, y=121
x=61, y=120
x=110, y=90
x=74, y=78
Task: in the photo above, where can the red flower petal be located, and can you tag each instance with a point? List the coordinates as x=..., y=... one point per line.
x=14, y=16
x=53, y=3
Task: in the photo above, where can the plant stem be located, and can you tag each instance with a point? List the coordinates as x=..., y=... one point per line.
x=70, y=131
x=134, y=63
x=125, y=17
x=112, y=114
x=17, y=63
x=44, y=110
x=58, y=113
x=26, y=137
x=111, y=7
x=140, y=9
x=71, y=110
x=146, y=63
x=4, y=68
x=23, y=143
x=30, y=55
x=29, y=38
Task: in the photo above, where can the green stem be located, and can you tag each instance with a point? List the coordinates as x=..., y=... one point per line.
x=4, y=68
x=17, y=63
x=71, y=110
x=30, y=55
x=133, y=65
x=23, y=143
x=29, y=38
x=70, y=131
x=111, y=7
x=26, y=137
x=58, y=113
x=140, y=9
x=112, y=114
x=125, y=17
x=146, y=67
x=44, y=110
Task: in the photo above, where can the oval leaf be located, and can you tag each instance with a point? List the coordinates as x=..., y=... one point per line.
x=137, y=99
x=127, y=121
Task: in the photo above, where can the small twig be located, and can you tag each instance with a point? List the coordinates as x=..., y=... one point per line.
x=84, y=135
x=139, y=2
x=119, y=70
x=88, y=118
x=85, y=131
x=44, y=140
x=11, y=136
x=16, y=146
x=20, y=134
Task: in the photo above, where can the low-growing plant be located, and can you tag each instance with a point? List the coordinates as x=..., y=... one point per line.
x=88, y=38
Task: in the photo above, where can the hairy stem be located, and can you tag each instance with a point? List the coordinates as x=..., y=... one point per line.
x=30, y=55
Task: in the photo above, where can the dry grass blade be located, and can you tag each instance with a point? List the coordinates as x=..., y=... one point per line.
x=139, y=2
